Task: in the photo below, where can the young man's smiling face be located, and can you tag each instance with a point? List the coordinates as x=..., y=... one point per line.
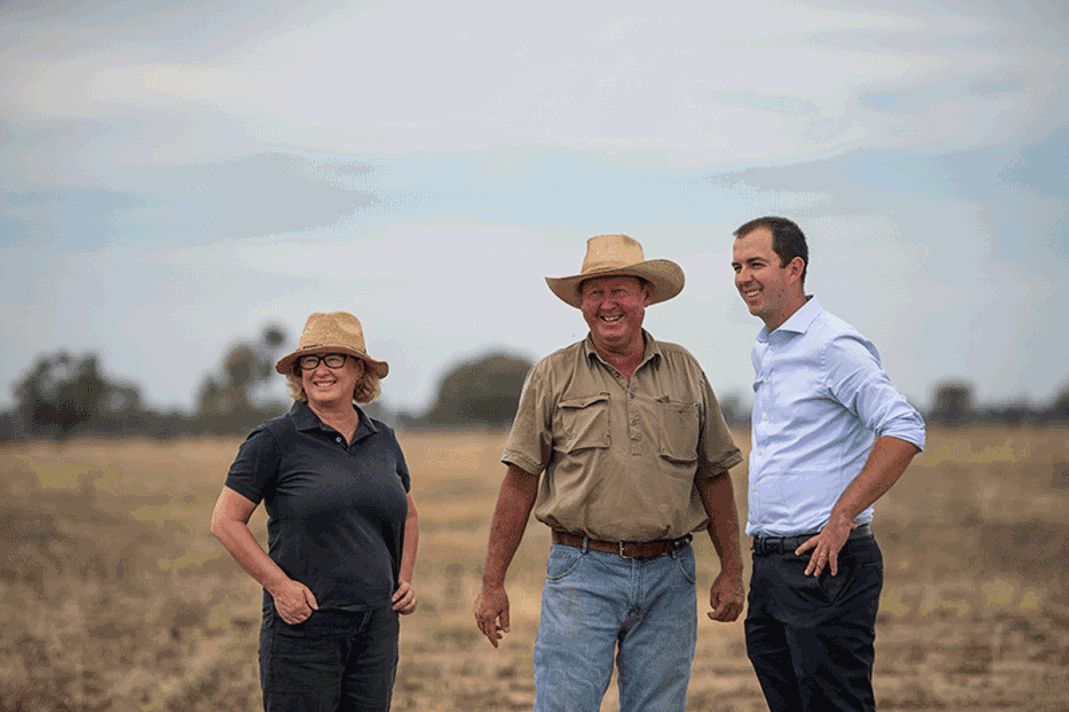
x=614, y=308
x=772, y=292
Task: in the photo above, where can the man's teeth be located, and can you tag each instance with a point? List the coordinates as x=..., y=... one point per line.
x=611, y=318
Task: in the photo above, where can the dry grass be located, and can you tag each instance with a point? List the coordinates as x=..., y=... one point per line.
x=113, y=596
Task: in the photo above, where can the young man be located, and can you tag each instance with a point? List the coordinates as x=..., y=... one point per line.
x=635, y=455
x=821, y=395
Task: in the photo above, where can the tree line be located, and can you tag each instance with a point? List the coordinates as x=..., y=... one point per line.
x=64, y=394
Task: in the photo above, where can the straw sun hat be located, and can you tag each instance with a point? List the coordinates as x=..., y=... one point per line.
x=334, y=333
x=620, y=256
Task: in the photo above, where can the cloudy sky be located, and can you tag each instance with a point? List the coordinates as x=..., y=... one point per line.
x=177, y=176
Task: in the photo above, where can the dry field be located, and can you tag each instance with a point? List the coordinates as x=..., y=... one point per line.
x=114, y=596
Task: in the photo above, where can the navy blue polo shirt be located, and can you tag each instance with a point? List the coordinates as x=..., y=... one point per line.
x=336, y=513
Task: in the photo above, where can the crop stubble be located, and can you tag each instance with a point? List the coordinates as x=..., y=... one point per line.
x=114, y=596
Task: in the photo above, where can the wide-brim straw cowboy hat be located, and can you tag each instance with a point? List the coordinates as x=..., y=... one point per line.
x=620, y=256
x=332, y=333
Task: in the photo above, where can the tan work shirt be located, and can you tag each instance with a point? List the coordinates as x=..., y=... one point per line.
x=620, y=457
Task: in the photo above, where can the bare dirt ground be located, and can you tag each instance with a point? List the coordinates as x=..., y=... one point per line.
x=113, y=596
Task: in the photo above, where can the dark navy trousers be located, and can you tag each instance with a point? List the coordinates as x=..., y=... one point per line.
x=811, y=638
x=336, y=661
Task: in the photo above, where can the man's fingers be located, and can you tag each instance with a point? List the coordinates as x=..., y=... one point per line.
x=809, y=544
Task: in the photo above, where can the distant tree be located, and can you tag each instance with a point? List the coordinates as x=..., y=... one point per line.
x=246, y=368
x=953, y=404
x=484, y=391
x=733, y=409
x=1059, y=409
x=63, y=393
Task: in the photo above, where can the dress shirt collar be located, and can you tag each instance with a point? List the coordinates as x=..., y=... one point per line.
x=797, y=322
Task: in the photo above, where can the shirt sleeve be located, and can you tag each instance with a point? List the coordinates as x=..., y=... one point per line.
x=857, y=380
x=717, y=452
x=530, y=442
x=402, y=465
x=254, y=470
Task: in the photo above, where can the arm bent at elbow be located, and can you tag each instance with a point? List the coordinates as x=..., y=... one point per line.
x=230, y=525
x=886, y=464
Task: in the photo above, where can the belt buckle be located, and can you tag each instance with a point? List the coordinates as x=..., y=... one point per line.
x=622, y=554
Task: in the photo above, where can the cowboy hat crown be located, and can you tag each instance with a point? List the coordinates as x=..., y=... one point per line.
x=620, y=256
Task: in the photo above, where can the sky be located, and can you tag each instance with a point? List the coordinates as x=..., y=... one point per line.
x=176, y=177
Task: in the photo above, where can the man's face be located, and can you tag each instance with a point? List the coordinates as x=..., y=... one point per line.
x=765, y=286
x=613, y=308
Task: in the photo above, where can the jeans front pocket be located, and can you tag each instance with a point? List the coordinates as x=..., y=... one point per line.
x=687, y=565
x=562, y=561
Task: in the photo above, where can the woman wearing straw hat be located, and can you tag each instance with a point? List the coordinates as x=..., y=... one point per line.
x=342, y=529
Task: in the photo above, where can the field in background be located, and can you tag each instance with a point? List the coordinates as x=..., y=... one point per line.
x=114, y=596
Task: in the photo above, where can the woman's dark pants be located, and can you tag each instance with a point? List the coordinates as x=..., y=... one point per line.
x=335, y=661
x=811, y=639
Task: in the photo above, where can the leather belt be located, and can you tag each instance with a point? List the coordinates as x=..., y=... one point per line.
x=626, y=549
x=787, y=544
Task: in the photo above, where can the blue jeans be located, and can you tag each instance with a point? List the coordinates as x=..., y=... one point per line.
x=596, y=606
x=334, y=661
x=811, y=639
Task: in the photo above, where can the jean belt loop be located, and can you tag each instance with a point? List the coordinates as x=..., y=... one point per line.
x=586, y=541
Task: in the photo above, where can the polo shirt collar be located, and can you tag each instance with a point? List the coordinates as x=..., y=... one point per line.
x=798, y=322
x=304, y=418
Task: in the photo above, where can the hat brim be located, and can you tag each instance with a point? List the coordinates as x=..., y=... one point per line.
x=285, y=364
x=665, y=276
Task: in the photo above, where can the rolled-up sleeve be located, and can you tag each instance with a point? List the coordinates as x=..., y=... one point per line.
x=857, y=380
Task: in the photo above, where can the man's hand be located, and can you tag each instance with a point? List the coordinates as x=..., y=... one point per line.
x=404, y=598
x=826, y=546
x=492, y=606
x=726, y=598
x=294, y=601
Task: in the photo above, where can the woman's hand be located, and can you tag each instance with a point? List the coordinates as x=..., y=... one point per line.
x=404, y=598
x=294, y=602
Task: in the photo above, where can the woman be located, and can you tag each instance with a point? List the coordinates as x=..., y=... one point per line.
x=342, y=529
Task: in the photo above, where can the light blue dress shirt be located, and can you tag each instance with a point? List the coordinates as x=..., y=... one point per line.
x=821, y=398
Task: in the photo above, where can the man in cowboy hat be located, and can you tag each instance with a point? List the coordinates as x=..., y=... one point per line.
x=636, y=456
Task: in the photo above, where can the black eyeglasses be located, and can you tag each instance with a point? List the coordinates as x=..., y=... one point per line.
x=308, y=363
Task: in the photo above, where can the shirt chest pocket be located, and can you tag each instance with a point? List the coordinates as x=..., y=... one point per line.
x=679, y=431
x=582, y=423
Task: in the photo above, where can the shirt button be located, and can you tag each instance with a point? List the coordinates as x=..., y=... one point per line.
x=337, y=440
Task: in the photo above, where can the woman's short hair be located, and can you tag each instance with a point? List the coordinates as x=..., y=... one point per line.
x=366, y=389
